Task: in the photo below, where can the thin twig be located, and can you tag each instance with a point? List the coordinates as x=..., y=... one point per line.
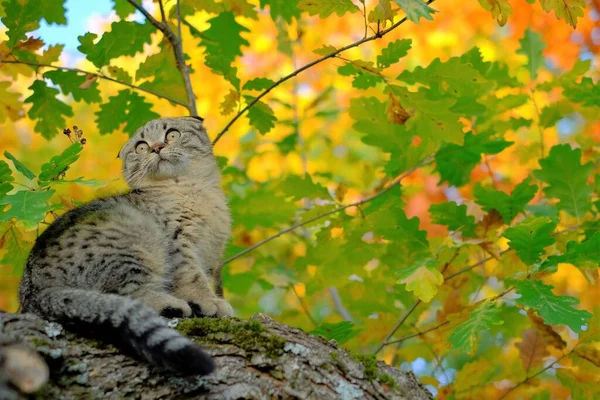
x=98, y=75
x=539, y=116
x=339, y=306
x=378, y=35
x=396, y=181
x=162, y=11
x=421, y=333
x=398, y=325
x=176, y=43
x=385, y=341
x=304, y=307
x=552, y=364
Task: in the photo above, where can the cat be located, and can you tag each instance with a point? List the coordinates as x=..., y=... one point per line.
x=117, y=263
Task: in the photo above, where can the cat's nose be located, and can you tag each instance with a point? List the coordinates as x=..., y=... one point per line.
x=156, y=148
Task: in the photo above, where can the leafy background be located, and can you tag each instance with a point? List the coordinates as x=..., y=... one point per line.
x=442, y=179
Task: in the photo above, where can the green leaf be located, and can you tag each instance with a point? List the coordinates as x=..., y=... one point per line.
x=112, y=113
x=47, y=110
x=261, y=116
x=258, y=84
x=261, y=208
x=162, y=68
x=565, y=10
x=21, y=17
x=455, y=163
x=566, y=179
x=433, y=119
x=20, y=166
x=482, y=318
x=324, y=8
x=371, y=119
x=453, y=77
x=303, y=187
x=123, y=8
x=341, y=332
x=553, y=309
x=17, y=249
x=583, y=255
x=223, y=42
x=27, y=206
x=393, y=52
x=120, y=74
x=71, y=82
x=58, y=164
x=365, y=73
x=507, y=205
x=53, y=11
x=532, y=47
x=554, y=112
x=492, y=71
x=126, y=107
x=530, y=237
x=415, y=9
x=5, y=179
x=584, y=92
x=500, y=9
x=126, y=38
x=453, y=216
x=285, y=9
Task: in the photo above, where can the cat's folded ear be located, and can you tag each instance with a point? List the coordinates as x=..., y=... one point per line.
x=197, y=117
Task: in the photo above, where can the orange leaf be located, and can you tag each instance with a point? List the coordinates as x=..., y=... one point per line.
x=89, y=80
x=532, y=349
x=550, y=336
x=396, y=113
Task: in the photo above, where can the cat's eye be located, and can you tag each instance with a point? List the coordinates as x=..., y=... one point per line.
x=142, y=148
x=172, y=134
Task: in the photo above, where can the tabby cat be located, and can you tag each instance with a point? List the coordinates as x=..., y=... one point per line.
x=115, y=264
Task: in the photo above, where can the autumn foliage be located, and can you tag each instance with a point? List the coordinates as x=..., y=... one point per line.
x=415, y=180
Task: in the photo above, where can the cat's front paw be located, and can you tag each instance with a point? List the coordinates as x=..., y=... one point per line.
x=211, y=307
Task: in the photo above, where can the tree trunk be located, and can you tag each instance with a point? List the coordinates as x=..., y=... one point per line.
x=256, y=359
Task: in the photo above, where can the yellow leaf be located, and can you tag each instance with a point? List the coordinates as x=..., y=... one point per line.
x=230, y=102
x=382, y=13
x=424, y=283
x=590, y=354
x=10, y=106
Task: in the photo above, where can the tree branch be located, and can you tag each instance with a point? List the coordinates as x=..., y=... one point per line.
x=98, y=75
x=177, y=50
x=396, y=181
x=378, y=35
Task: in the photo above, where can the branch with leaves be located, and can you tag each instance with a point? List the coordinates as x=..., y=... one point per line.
x=177, y=44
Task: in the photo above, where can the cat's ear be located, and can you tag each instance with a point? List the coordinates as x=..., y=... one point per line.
x=197, y=117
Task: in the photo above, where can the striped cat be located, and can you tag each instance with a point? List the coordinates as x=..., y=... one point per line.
x=112, y=266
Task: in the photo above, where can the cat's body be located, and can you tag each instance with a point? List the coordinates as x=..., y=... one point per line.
x=159, y=244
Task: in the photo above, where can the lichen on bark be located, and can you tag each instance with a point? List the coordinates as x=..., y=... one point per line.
x=256, y=359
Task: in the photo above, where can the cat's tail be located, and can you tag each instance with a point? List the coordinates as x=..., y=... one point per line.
x=125, y=322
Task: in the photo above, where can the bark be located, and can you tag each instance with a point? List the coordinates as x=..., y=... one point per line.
x=256, y=359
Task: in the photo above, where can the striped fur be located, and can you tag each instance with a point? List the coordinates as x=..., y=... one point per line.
x=113, y=265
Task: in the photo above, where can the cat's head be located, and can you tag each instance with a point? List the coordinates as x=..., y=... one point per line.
x=168, y=148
